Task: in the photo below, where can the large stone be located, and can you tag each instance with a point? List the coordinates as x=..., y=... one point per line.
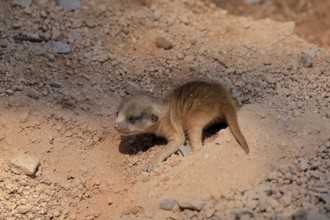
x=189, y=203
x=167, y=204
x=27, y=164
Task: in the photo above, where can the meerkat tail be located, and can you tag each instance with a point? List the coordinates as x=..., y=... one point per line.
x=231, y=120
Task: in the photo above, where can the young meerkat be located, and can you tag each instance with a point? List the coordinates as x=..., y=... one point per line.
x=187, y=109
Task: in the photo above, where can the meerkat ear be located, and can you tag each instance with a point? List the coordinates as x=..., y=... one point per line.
x=154, y=118
x=133, y=89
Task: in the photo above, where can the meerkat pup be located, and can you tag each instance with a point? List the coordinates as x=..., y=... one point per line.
x=187, y=109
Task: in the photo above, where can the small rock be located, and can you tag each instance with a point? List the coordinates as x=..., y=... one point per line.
x=267, y=62
x=109, y=200
x=272, y=175
x=184, y=150
x=69, y=4
x=9, y=92
x=24, y=117
x=23, y=3
x=28, y=164
x=157, y=15
x=327, y=115
x=286, y=198
x=4, y=43
x=55, y=83
x=252, y=2
x=251, y=203
x=306, y=60
x=263, y=204
x=32, y=93
x=132, y=88
x=23, y=209
x=325, y=197
x=292, y=65
x=270, y=79
x=149, y=214
x=167, y=204
x=245, y=217
x=244, y=211
x=163, y=43
x=189, y=203
x=58, y=47
x=209, y=212
x=274, y=203
x=302, y=165
x=264, y=188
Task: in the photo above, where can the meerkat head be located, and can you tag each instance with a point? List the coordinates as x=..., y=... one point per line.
x=138, y=114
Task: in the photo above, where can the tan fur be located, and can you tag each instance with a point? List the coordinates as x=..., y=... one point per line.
x=187, y=109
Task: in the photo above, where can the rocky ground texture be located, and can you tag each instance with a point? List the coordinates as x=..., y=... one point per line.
x=66, y=65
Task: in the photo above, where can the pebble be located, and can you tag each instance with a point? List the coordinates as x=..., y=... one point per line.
x=270, y=79
x=23, y=3
x=252, y=2
x=69, y=4
x=55, y=83
x=33, y=93
x=325, y=197
x=23, y=209
x=132, y=88
x=190, y=203
x=167, y=204
x=327, y=115
x=272, y=175
x=28, y=164
x=163, y=43
x=24, y=117
x=244, y=211
x=306, y=60
x=286, y=198
x=58, y=47
x=263, y=204
x=157, y=15
x=251, y=203
x=209, y=212
x=109, y=200
x=302, y=165
x=9, y=92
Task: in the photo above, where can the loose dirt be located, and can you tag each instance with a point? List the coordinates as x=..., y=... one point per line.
x=64, y=72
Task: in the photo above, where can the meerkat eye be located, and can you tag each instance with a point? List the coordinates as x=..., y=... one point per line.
x=154, y=118
x=133, y=119
x=116, y=114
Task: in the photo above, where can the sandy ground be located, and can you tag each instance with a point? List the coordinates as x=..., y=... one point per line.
x=57, y=111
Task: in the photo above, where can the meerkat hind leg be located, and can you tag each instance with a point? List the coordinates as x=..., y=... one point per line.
x=195, y=137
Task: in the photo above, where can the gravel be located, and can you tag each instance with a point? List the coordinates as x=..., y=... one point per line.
x=93, y=52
